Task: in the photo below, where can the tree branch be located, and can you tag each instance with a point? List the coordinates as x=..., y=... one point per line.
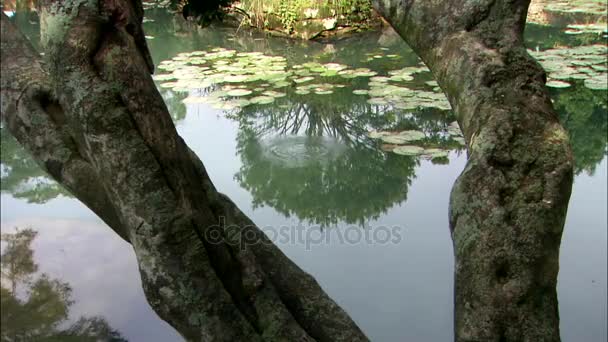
x=196, y=272
x=508, y=207
x=31, y=113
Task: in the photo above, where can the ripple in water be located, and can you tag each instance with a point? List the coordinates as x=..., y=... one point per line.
x=298, y=151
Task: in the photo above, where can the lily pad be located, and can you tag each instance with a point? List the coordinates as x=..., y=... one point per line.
x=378, y=134
x=163, y=77
x=239, y=92
x=169, y=85
x=303, y=79
x=235, y=78
x=379, y=79
x=273, y=93
x=395, y=139
x=262, y=100
x=412, y=135
x=408, y=150
x=436, y=152
x=378, y=101
x=597, y=83
x=557, y=84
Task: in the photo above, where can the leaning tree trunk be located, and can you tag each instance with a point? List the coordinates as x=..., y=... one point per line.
x=90, y=114
x=507, y=208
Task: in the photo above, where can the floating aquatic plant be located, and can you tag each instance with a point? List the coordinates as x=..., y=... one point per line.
x=587, y=63
x=587, y=28
x=577, y=6
x=408, y=150
x=254, y=74
x=416, y=143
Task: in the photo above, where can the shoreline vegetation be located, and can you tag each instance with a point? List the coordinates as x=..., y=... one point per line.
x=321, y=20
x=298, y=19
x=327, y=20
x=307, y=19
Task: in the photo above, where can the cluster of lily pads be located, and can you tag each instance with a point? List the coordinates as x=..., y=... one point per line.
x=371, y=56
x=596, y=28
x=389, y=90
x=228, y=79
x=586, y=63
x=578, y=6
x=413, y=143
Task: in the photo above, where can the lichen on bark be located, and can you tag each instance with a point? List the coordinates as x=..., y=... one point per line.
x=93, y=118
x=508, y=207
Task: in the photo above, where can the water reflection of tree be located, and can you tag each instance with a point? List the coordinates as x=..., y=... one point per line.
x=336, y=116
x=357, y=185
x=21, y=176
x=174, y=103
x=584, y=114
x=36, y=307
x=354, y=186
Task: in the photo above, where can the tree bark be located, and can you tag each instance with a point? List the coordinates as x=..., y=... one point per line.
x=93, y=119
x=508, y=207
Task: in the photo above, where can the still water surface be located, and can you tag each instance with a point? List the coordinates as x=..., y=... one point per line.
x=305, y=164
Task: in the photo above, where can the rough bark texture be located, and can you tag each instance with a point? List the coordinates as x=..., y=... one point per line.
x=508, y=207
x=93, y=119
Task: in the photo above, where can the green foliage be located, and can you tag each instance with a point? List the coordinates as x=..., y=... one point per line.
x=203, y=11
x=21, y=176
x=313, y=178
x=288, y=14
x=17, y=259
x=353, y=10
x=584, y=114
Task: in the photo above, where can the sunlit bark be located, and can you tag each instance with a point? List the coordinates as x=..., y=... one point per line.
x=508, y=207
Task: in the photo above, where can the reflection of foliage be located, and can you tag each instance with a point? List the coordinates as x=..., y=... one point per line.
x=38, y=316
x=548, y=37
x=46, y=303
x=359, y=184
x=174, y=103
x=582, y=111
x=17, y=259
x=584, y=114
x=21, y=176
x=339, y=115
x=356, y=184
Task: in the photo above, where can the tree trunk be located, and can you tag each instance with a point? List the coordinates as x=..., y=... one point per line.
x=508, y=207
x=93, y=119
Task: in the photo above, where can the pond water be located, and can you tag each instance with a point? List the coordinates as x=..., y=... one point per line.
x=282, y=133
